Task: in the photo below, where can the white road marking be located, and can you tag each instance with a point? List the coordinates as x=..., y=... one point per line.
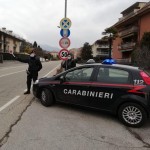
x=11, y=73
x=51, y=71
x=12, y=67
x=5, y=68
x=7, y=104
x=14, y=99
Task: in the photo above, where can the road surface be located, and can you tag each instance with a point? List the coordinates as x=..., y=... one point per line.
x=27, y=125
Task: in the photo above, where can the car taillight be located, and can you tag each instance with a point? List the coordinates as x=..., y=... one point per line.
x=145, y=77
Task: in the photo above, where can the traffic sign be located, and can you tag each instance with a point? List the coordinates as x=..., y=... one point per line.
x=65, y=32
x=64, y=42
x=65, y=23
x=63, y=54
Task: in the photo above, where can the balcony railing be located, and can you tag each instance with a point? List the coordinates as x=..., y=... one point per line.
x=127, y=31
x=103, y=46
x=127, y=46
x=103, y=53
x=129, y=15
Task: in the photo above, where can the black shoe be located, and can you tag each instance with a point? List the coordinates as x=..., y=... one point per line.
x=27, y=92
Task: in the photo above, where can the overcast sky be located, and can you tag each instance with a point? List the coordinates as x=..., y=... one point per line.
x=37, y=20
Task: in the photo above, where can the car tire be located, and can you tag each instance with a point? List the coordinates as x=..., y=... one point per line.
x=47, y=98
x=132, y=114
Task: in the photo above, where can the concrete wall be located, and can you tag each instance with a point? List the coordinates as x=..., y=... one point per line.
x=116, y=54
x=94, y=49
x=11, y=44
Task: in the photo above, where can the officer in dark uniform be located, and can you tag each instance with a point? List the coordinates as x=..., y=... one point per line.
x=70, y=63
x=34, y=67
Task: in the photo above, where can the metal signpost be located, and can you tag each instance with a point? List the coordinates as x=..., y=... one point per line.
x=64, y=42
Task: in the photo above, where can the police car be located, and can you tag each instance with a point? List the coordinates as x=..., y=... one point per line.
x=120, y=89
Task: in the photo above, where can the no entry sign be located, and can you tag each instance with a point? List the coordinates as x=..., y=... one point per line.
x=64, y=42
x=63, y=54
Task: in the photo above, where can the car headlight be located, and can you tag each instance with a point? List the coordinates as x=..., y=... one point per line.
x=36, y=82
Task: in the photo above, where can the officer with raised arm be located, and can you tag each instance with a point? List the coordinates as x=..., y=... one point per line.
x=34, y=67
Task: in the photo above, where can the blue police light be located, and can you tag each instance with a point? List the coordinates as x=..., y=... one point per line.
x=109, y=61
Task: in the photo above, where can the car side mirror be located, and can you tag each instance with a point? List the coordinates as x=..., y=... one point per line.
x=62, y=79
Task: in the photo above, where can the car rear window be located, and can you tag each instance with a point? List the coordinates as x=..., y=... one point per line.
x=113, y=75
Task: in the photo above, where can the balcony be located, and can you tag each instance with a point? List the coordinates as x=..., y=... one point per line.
x=102, y=53
x=128, y=31
x=103, y=46
x=126, y=46
x=129, y=15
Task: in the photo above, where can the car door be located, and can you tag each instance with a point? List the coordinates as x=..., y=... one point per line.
x=110, y=84
x=75, y=86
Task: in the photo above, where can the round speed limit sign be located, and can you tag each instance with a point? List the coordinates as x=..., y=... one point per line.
x=63, y=54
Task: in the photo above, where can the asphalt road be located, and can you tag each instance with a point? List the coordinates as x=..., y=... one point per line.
x=60, y=127
x=13, y=79
x=12, y=86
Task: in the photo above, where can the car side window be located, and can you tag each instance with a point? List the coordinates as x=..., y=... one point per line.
x=82, y=74
x=113, y=75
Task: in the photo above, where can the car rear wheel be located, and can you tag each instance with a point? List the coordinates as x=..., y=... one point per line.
x=47, y=98
x=132, y=115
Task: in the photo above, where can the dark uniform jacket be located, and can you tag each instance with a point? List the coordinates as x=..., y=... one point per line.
x=34, y=64
x=70, y=64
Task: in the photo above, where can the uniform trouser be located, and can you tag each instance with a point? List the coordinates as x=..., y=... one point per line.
x=32, y=76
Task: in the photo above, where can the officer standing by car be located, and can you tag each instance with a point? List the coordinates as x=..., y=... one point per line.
x=34, y=67
x=70, y=63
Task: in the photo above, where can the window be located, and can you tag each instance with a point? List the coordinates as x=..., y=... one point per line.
x=112, y=75
x=82, y=74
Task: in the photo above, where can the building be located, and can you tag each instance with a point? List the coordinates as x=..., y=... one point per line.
x=131, y=27
x=100, y=48
x=9, y=42
x=54, y=54
x=76, y=52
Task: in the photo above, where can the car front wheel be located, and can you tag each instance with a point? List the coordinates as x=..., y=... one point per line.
x=47, y=98
x=132, y=115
